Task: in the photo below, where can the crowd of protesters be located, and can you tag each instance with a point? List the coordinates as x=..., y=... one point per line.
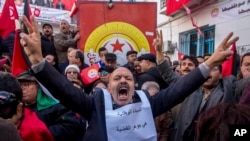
x=148, y=98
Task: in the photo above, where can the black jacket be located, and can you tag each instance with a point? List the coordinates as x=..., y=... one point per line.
x=151, y=75
x=48, y=46
x=92, y=107
x=63, y=124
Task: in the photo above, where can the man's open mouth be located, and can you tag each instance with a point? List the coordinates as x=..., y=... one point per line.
x=123, y=93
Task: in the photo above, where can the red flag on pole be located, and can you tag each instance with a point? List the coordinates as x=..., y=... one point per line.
x=19, y=65
x=90, y=74
x=229, y=65
x=8, y=17
x=174, y=5
x=180, y=55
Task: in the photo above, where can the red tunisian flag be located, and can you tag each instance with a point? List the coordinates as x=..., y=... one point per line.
x=90, y=74
x=8, y=17
x=229, y=66
x=174, y=5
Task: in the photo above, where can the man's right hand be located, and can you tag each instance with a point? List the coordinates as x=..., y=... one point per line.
x=221, y=53
x=32, y=41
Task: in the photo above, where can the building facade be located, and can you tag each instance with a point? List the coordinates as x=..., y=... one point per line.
x=215, y=18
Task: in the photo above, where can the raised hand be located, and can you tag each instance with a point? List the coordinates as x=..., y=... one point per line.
x=221, y=53
x=32, y=41
x=158, y=44
x=158, y=41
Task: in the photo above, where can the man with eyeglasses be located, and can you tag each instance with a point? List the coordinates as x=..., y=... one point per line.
x=105, y=72
x=62, y=123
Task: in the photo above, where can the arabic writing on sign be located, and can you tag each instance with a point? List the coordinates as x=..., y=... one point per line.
x=244, y=11
x=129, y=112
x=131, y=127
x=235, y=5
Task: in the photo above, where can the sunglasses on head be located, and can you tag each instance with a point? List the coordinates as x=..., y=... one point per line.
x=71, y=72
x=103, y=73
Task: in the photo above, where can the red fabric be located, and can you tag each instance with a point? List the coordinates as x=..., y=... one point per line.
x=37, y=12
x=3, y=61
x=90, y=74
x=228, y=65
x=180, y=55
x=8, y=18
x=33, y=129
x=19, y=64
x=174, y=5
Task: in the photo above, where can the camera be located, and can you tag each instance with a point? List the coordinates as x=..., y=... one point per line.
x=8, y=104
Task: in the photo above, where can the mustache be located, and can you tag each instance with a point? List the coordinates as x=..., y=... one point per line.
x=124, y=84
x=187, y=70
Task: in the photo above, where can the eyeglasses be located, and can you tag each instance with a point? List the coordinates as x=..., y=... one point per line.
x=103, y=73
x=26, y=84
x=71, y=72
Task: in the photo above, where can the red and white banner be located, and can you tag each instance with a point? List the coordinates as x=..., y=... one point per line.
x=123, y=27
x=229, y=10
x=43, y=13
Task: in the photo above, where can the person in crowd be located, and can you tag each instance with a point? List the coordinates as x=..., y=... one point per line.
x=48, y=40
x=51, y=59
x=219, y=122
x=76, y=56
x=106, y=110
x=60, y=5
x=72, y=72
x=206, y=56
x=102, y=52
x=10, y=91
x=245, y=98
x=61, y=122
x=244, y=73
x=8, y=131
x=150, y=73
x=175, y=64
x=178, y=70
x=105, y=72
x=44, y=3
x=161, y=122
x=137, y=68
x=64, y=40
x=111, y=60
x=168, y=59
x=8, y=45
x=212, y=92
x=200, y=59
x=5, y=64
x=131, y=58
x=99, y=84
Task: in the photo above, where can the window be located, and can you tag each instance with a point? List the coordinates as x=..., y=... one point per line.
x=191, y=43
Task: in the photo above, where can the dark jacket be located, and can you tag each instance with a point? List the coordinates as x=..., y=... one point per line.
x=92, y=108
x=189, y=111
x=8, y=44
x=151, y=75
x=245, y=98
x=48, y=46
x=63, y=124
